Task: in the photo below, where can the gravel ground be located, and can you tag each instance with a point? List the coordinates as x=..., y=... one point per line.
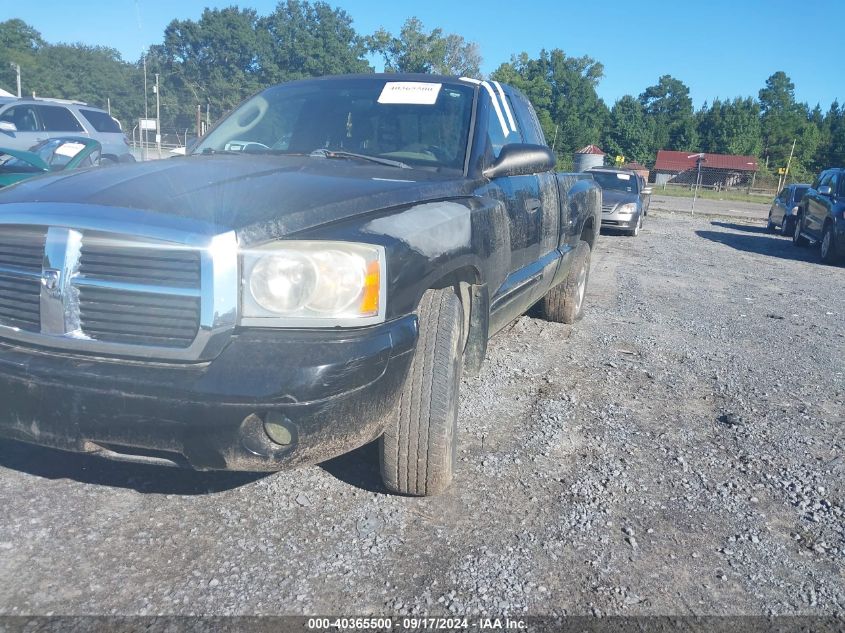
x=679, y=451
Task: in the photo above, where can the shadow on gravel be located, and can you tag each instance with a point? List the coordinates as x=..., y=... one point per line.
x=763, y=244
x=54, y=464
x=360, y=468
x=746, y=228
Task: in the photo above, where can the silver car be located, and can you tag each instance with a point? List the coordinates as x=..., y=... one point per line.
x=26, y=122
x=625, y=199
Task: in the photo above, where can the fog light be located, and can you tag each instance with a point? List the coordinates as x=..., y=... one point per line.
x=274, y=427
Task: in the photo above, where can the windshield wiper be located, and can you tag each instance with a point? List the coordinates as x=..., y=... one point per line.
x=333, y=153
x=208, y=151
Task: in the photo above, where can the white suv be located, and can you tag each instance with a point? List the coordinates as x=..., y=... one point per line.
x=25, y=122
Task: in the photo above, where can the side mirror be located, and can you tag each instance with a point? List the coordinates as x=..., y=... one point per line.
x=646, y=191
x=520, y=159
x=8, y=126
x=825, y=190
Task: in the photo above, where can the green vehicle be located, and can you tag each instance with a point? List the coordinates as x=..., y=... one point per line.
x=48, y=156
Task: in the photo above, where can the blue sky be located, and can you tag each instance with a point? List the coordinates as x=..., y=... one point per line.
x=719, y=48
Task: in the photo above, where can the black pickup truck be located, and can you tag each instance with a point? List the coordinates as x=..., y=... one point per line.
x=317, y=273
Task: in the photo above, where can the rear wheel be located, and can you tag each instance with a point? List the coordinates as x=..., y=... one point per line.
x=418, y=450
x=770, y=226
x=565, y=302
x=797, y=238
x=828, y=249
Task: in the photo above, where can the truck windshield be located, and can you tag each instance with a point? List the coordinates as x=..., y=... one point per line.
x=423, y=124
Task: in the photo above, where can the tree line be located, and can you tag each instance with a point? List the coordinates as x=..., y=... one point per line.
x=227, y=54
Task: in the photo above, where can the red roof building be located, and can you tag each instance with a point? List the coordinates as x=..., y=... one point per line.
x=717, y=170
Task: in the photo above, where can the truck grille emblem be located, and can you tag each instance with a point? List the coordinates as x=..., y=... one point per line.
x=51, y=280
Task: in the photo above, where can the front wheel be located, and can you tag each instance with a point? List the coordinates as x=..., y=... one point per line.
x=418, y=450
x=634, y=232
x=786, y=226
x=565, y=302
x=828, y=249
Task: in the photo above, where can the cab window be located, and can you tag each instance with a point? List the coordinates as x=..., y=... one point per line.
x=497, y=134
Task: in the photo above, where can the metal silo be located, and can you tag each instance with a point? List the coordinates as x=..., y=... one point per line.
x=587, y=157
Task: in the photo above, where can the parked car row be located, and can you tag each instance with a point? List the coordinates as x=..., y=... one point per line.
x=814, y=214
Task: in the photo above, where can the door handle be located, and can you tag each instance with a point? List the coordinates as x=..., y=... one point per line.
x=532, y=204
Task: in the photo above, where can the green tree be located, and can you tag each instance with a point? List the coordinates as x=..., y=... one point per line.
x=416, y=51
x=19, y=44
x=784, y=121
x=730, y=127
x=308, y=40
x=630, y=132
x=216, y=58
x=669, y=106
x=563, y=91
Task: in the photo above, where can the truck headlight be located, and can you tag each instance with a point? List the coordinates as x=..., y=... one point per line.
x=313, y=284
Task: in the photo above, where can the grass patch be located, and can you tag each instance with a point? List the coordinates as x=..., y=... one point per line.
x=709, y=194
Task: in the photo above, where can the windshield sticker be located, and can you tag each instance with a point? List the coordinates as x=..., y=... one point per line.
x=623, y=176
x=69, y=149
x=409, y=93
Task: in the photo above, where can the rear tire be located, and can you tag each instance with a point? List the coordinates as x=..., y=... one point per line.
x=797, y=238
x=565, y=302
x=828, y=248
x=418, y=450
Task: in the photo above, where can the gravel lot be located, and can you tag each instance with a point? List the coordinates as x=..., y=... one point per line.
x=680, y=451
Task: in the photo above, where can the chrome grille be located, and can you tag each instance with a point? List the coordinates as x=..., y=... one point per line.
x=21, y=259
x=137, y=293
x=121, y=282
x=607, y=208
x=166, y=266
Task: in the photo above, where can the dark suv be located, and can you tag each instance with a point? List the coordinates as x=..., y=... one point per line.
x=820, y=216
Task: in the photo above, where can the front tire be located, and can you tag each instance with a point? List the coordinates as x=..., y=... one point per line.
x=565, y=302
x=828, y=248
x=786, y=227
x=418, y=450
x=634, y=232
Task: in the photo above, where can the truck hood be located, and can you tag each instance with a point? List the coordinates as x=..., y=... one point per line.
x=260, y=197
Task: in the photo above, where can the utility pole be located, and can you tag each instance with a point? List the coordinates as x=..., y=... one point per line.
x=699, y=159
x=786, y=171
x=158, y=119
x=146, y=112
x=17, y=68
